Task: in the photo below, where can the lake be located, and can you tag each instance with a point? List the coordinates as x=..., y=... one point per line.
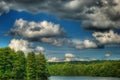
x=81, y=78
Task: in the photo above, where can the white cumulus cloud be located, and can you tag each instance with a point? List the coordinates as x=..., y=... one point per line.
x=39, y=49
x=53, y=59
x=69, y=55
x=46, y=32
x=83, y=44
x=109, y=37
x=32, y=29
x=107, y=54
x=25, y=46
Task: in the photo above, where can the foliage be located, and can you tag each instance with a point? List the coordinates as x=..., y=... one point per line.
x=95, y=68
x=31, y=66
x=20, y=65
x=17, y=66
x=41, y=68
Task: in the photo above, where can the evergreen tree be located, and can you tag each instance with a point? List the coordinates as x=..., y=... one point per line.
x=7, y=58
x=20, y=64
x=41, y=68
x=31, y=66
x=14, y=65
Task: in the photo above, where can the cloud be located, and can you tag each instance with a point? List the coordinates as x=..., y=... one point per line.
x=94, y=14
x=57, y=42
x=97, y=15
x=87, y=44
x=4, y=8
x=47, y=32
x=25, y=46
x=79, y=59
x=39, y=49
x=107, y=54
x=53, y=59
x=109, y=37
x=21, y=45
x=69, y=55
x=82, y=44
x=35, y=30
x=73, y=4
x=60, y=8
x=44, y=31
x=99, y=22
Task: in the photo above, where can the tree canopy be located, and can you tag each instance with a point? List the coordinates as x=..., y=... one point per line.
x=15, y=65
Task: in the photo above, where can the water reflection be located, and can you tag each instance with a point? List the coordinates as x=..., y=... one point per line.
x=81, y=78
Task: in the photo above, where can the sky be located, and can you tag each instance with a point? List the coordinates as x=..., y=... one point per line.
x=64, y=30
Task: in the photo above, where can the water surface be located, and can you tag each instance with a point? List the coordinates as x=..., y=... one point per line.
x=81, y=78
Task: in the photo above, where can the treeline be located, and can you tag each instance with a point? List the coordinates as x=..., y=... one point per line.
x=17, y=66
x=94, y=68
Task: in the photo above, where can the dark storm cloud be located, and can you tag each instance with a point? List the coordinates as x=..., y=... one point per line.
x=95, y=14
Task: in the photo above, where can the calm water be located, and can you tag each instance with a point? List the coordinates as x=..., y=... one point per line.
x=82, y=78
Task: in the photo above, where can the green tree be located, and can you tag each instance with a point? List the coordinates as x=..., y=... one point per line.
x=97, y=68
x=14, y=65
x=41, y=68
x=31, y=66
x=20, y=65
x=7, y=58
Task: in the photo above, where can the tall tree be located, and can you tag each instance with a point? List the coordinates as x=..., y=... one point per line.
x=31, y=66
x=41, y=68
x=19, y=65
x=7, y=58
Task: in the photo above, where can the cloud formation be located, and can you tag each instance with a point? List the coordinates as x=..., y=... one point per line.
x=24, y=46
x=57, y=42
x=35, y=30
x=82, y=44
x=69, y=57
x=72, y=57
x=109, y=37
x=47, y=32
x=44, y=31
x=4, y=8
x=39, y=49
x=107, y=55
x=53, y=59
x=95, y=14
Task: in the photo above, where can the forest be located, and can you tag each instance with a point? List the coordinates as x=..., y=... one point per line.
x=17, y=66
x=106, y=68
